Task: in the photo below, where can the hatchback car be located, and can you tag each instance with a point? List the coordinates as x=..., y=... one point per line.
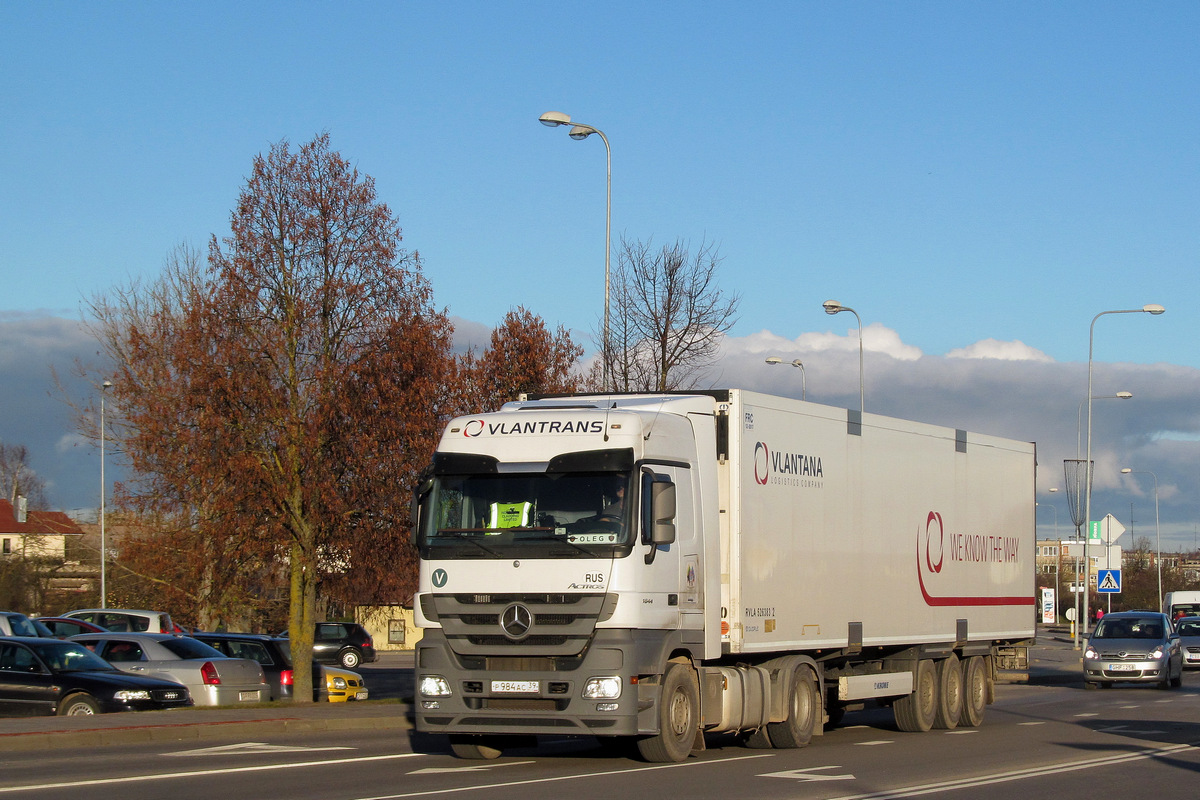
x=212, y=678
x=1188, y=629
x=13, y=623
x=344, y=643
x=131, y=620
x=274, y=656
x=1136, y=646
x=40, y=676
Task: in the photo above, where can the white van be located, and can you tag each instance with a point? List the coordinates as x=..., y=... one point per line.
x=1181, y=604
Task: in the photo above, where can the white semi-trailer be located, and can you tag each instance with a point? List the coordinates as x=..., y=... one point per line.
x=665, y=566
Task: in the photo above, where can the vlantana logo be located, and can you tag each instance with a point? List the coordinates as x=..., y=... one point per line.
x=787, y=469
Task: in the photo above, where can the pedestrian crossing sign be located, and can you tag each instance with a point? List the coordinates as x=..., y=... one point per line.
x=1108, y=581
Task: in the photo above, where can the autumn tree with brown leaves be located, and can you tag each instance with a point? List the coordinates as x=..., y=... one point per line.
x=522, y=357
x=276, y=405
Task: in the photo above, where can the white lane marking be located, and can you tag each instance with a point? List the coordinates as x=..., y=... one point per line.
x=197, y=773
x=447, y=791
x=873, y=743
x=1041, y=722
x=249, y=748
x=806, y=775
x=481, y=768
x=961, y=732
x=1014, y=775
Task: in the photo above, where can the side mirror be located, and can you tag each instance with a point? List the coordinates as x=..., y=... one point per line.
x=662, y=504
x=420, y=492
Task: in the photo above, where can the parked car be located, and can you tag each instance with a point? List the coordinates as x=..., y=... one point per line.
x=1137, y=646
x=274, y=656
x=1188, y=629
x=126, y=620
x=344, y=643
x=13, y=623
x=212, y=678
x=65, y=628
x=40, y=676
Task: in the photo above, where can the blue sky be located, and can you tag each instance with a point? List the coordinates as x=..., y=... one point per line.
x=965, y=175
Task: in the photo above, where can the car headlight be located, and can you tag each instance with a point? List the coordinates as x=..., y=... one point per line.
x=1089, y=653
x=608, y=688
x=125, y=695
x=434, y=686
x=1158, y=653
x=339, y=683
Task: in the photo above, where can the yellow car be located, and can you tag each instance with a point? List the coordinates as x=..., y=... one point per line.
x=338, y=685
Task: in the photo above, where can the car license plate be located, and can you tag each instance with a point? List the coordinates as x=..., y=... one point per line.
x=360, y=695
x=1122, y=668
x=248, y=697
x=515, y=687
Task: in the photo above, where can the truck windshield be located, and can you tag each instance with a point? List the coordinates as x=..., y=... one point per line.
x=552, y=515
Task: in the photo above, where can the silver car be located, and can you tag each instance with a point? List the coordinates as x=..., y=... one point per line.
x=212, y=678
x=1137, y=646
x=1188, y=629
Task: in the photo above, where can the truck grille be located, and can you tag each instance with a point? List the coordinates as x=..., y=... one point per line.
x=533, y=624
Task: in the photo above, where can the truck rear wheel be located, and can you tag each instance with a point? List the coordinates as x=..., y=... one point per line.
x=678, y=718
x=974, y=692
x=473, y=747
x=950, y=693
x=915, y=712
x=803, y=712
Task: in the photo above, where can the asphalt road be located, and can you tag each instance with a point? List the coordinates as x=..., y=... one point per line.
x=1044, y=738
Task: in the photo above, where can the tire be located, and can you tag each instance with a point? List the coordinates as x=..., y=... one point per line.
x=950, y=693
x=834, y=714
x=758, y=740
x=474, y=747
x=78, y=705
x=975, y=692
x=350, y=658
x=1090, y=685
x=804, y=710
x=915, y=712
x=1177, y=681
x=678, y=718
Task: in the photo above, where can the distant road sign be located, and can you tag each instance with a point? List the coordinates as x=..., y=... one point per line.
x=1108, y=581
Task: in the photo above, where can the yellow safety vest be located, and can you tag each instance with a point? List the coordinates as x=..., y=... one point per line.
x=510, y=515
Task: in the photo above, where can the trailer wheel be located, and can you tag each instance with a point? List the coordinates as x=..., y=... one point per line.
x=950, y=693
x=473, y=747
x=803, y=709
x=915, y=712
x=974, y=692
x=678, y=718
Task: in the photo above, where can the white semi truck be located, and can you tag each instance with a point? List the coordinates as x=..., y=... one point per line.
x=664, y=566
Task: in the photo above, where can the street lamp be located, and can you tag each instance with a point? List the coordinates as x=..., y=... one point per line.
x=795, y=363
x=1151, y=308
x=104, y=387
x=1079, y=414
x=1157, y=536
x=834, y=307
x=553, y=119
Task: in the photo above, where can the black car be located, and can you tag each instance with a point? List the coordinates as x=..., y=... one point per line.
x=344, y=643
x=275, y=656
x=42, y=676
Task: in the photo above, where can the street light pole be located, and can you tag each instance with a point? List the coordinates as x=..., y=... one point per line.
x=104, y=387
x=1079, y=415
x=553, y=119
x=795, y=363
x=1151, y=308
x=1157, y=533
x=834, y=307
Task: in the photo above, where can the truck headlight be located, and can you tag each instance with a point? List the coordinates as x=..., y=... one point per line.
x=608, y=688
x=125, y=695
x=434, y=686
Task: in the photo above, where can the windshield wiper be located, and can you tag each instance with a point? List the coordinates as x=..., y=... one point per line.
x=463, y=536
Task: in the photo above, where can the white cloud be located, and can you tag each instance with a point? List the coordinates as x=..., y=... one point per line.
x=1002, y=351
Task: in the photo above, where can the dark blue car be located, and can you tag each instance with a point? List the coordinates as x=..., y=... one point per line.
x=50, y=676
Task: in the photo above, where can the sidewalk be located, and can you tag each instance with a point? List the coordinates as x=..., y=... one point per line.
x=1052, y=660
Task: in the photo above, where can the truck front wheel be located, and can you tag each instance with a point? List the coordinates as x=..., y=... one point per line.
x=473, y=747
x=678, y=718
x=915, y=712
x=803, y=713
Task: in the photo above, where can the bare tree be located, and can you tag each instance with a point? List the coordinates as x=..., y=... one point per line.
x=669, y=315
x=17, y=478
